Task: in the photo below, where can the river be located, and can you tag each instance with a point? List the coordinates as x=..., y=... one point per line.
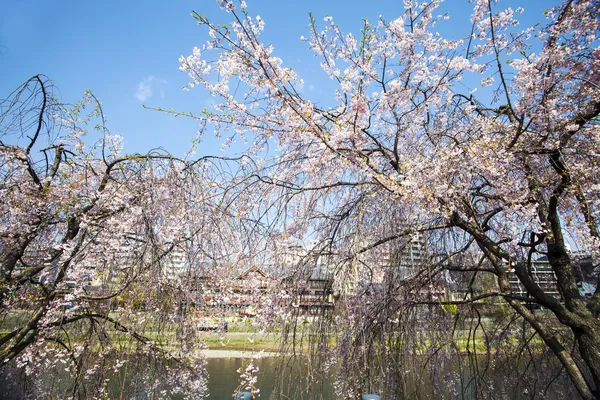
x=223, y=373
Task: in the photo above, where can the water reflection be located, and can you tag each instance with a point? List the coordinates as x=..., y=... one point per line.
x=224, y=378
x=450, y=380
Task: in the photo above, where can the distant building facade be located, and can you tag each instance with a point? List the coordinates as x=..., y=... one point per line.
x=586, y=274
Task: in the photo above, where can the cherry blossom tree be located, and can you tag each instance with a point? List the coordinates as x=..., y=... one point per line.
x=87, y=239
x=495, y=178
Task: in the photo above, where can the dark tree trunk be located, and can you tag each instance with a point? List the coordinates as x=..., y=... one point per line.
x=588, y=341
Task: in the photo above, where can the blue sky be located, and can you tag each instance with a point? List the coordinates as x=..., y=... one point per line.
x=126, y=52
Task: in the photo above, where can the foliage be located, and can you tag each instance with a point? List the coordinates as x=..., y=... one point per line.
x=407, y=157
x=494, y=179
x=87, y=238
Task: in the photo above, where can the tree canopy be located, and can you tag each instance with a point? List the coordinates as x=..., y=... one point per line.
x=496, y=179
x=488, y=182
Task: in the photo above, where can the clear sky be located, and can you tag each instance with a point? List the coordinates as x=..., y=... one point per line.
x=126, y=52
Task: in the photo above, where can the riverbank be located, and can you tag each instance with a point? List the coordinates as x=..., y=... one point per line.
x=237, y=354
x=242, y=341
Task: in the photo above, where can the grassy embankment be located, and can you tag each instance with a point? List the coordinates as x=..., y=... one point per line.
x=240, y=336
